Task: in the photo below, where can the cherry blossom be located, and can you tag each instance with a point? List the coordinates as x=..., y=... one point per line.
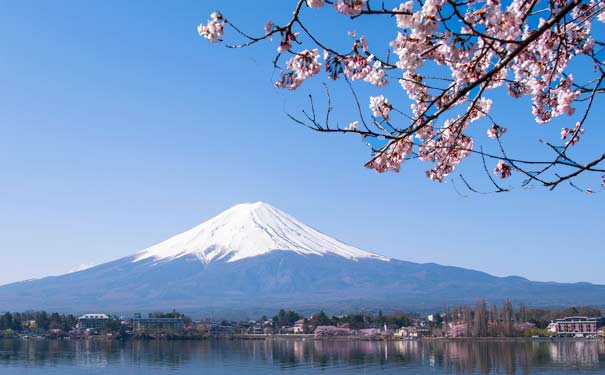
x=380, y=106
x=574, y=134
x=353, y=126
x=268, y=28
x=286, y=43
x=213, y=30
x=315, y=3
x=502, y=170
x=496, y=131
x=350, y=7
x=302, y=66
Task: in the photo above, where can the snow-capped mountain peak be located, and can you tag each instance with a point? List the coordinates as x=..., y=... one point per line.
x=248, y=230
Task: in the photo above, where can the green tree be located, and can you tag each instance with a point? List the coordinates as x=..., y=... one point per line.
x=285, y=318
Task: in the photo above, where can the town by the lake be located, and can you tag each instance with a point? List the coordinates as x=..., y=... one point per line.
x=460, y=322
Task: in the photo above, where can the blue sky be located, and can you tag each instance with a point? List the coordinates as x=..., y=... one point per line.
x=121, y=127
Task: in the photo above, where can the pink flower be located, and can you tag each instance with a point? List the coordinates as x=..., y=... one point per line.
x=496, y=131
x=479, y=109
x=364, y=43
x=286, y=45
x=350, y=7
x=391, y=159
x=268, y=28
x=302, y=66
x=352, y=126
x=573, y=133
x=564, y=97
x=213, y=29
x=315, y=3
x=502, y=170
x=380, y=106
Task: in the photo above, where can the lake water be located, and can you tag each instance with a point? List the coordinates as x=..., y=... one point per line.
x=281, y=356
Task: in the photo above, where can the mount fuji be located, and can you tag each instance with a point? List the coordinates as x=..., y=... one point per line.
x=254, y=258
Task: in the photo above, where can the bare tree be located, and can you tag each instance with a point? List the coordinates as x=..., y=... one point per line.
x=468, y=320
x=507, y=318
x=481, y=321
x=494, y=319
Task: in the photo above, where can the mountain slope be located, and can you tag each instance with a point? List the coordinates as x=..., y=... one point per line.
x=248, y=230
x=255, y=259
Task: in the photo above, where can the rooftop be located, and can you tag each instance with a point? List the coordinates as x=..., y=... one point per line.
x=94, y=316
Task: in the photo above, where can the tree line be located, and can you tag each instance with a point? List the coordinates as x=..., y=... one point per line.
x=504, y=320
x=37, y=320
x=361, y=320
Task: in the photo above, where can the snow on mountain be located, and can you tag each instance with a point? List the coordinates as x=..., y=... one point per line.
x=248, y=230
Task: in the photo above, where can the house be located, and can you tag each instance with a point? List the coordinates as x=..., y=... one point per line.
x=223, y=328
x=92, y=322
x=578, y=326
x=154, y=326
x=299, y=327
x=406, y=333
x=256, y=328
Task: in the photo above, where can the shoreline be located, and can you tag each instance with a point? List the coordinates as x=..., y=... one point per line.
x=311, y=337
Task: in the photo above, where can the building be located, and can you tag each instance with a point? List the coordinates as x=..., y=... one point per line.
x=578, y=326
x=299, y=327
x=223, y=328
x=411, y=332
x=97, y=322
x=256, y=328
x=154, y=326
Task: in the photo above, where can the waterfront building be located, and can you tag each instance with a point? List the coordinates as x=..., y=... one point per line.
x=256, y=329
x=299, y=326
x=154, y=326
x=578, y=326
x=221, y=329
x=97, y=322
x=411, y=332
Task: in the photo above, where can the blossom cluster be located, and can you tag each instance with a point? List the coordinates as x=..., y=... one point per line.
x=360, y=64
x=302, y=66
x=391, y=159
x=380, y=106
x=350, y=7
x=315, y=3
x=574, y=134
x=327, y=331
x=213, y=29
x=502, y=170
x=496, y=131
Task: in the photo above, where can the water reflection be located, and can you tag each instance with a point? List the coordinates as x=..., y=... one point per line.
x=481, y=357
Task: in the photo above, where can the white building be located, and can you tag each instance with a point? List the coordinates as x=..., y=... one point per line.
x=92, y=321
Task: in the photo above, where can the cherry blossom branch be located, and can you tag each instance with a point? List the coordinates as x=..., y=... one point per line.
x=485, y=45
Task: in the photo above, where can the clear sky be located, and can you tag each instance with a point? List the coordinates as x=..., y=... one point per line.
x=120, y=126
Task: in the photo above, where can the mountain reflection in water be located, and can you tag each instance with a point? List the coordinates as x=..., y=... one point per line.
x=305, y=356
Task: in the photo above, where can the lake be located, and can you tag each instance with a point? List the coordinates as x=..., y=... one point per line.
x=282, y=356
